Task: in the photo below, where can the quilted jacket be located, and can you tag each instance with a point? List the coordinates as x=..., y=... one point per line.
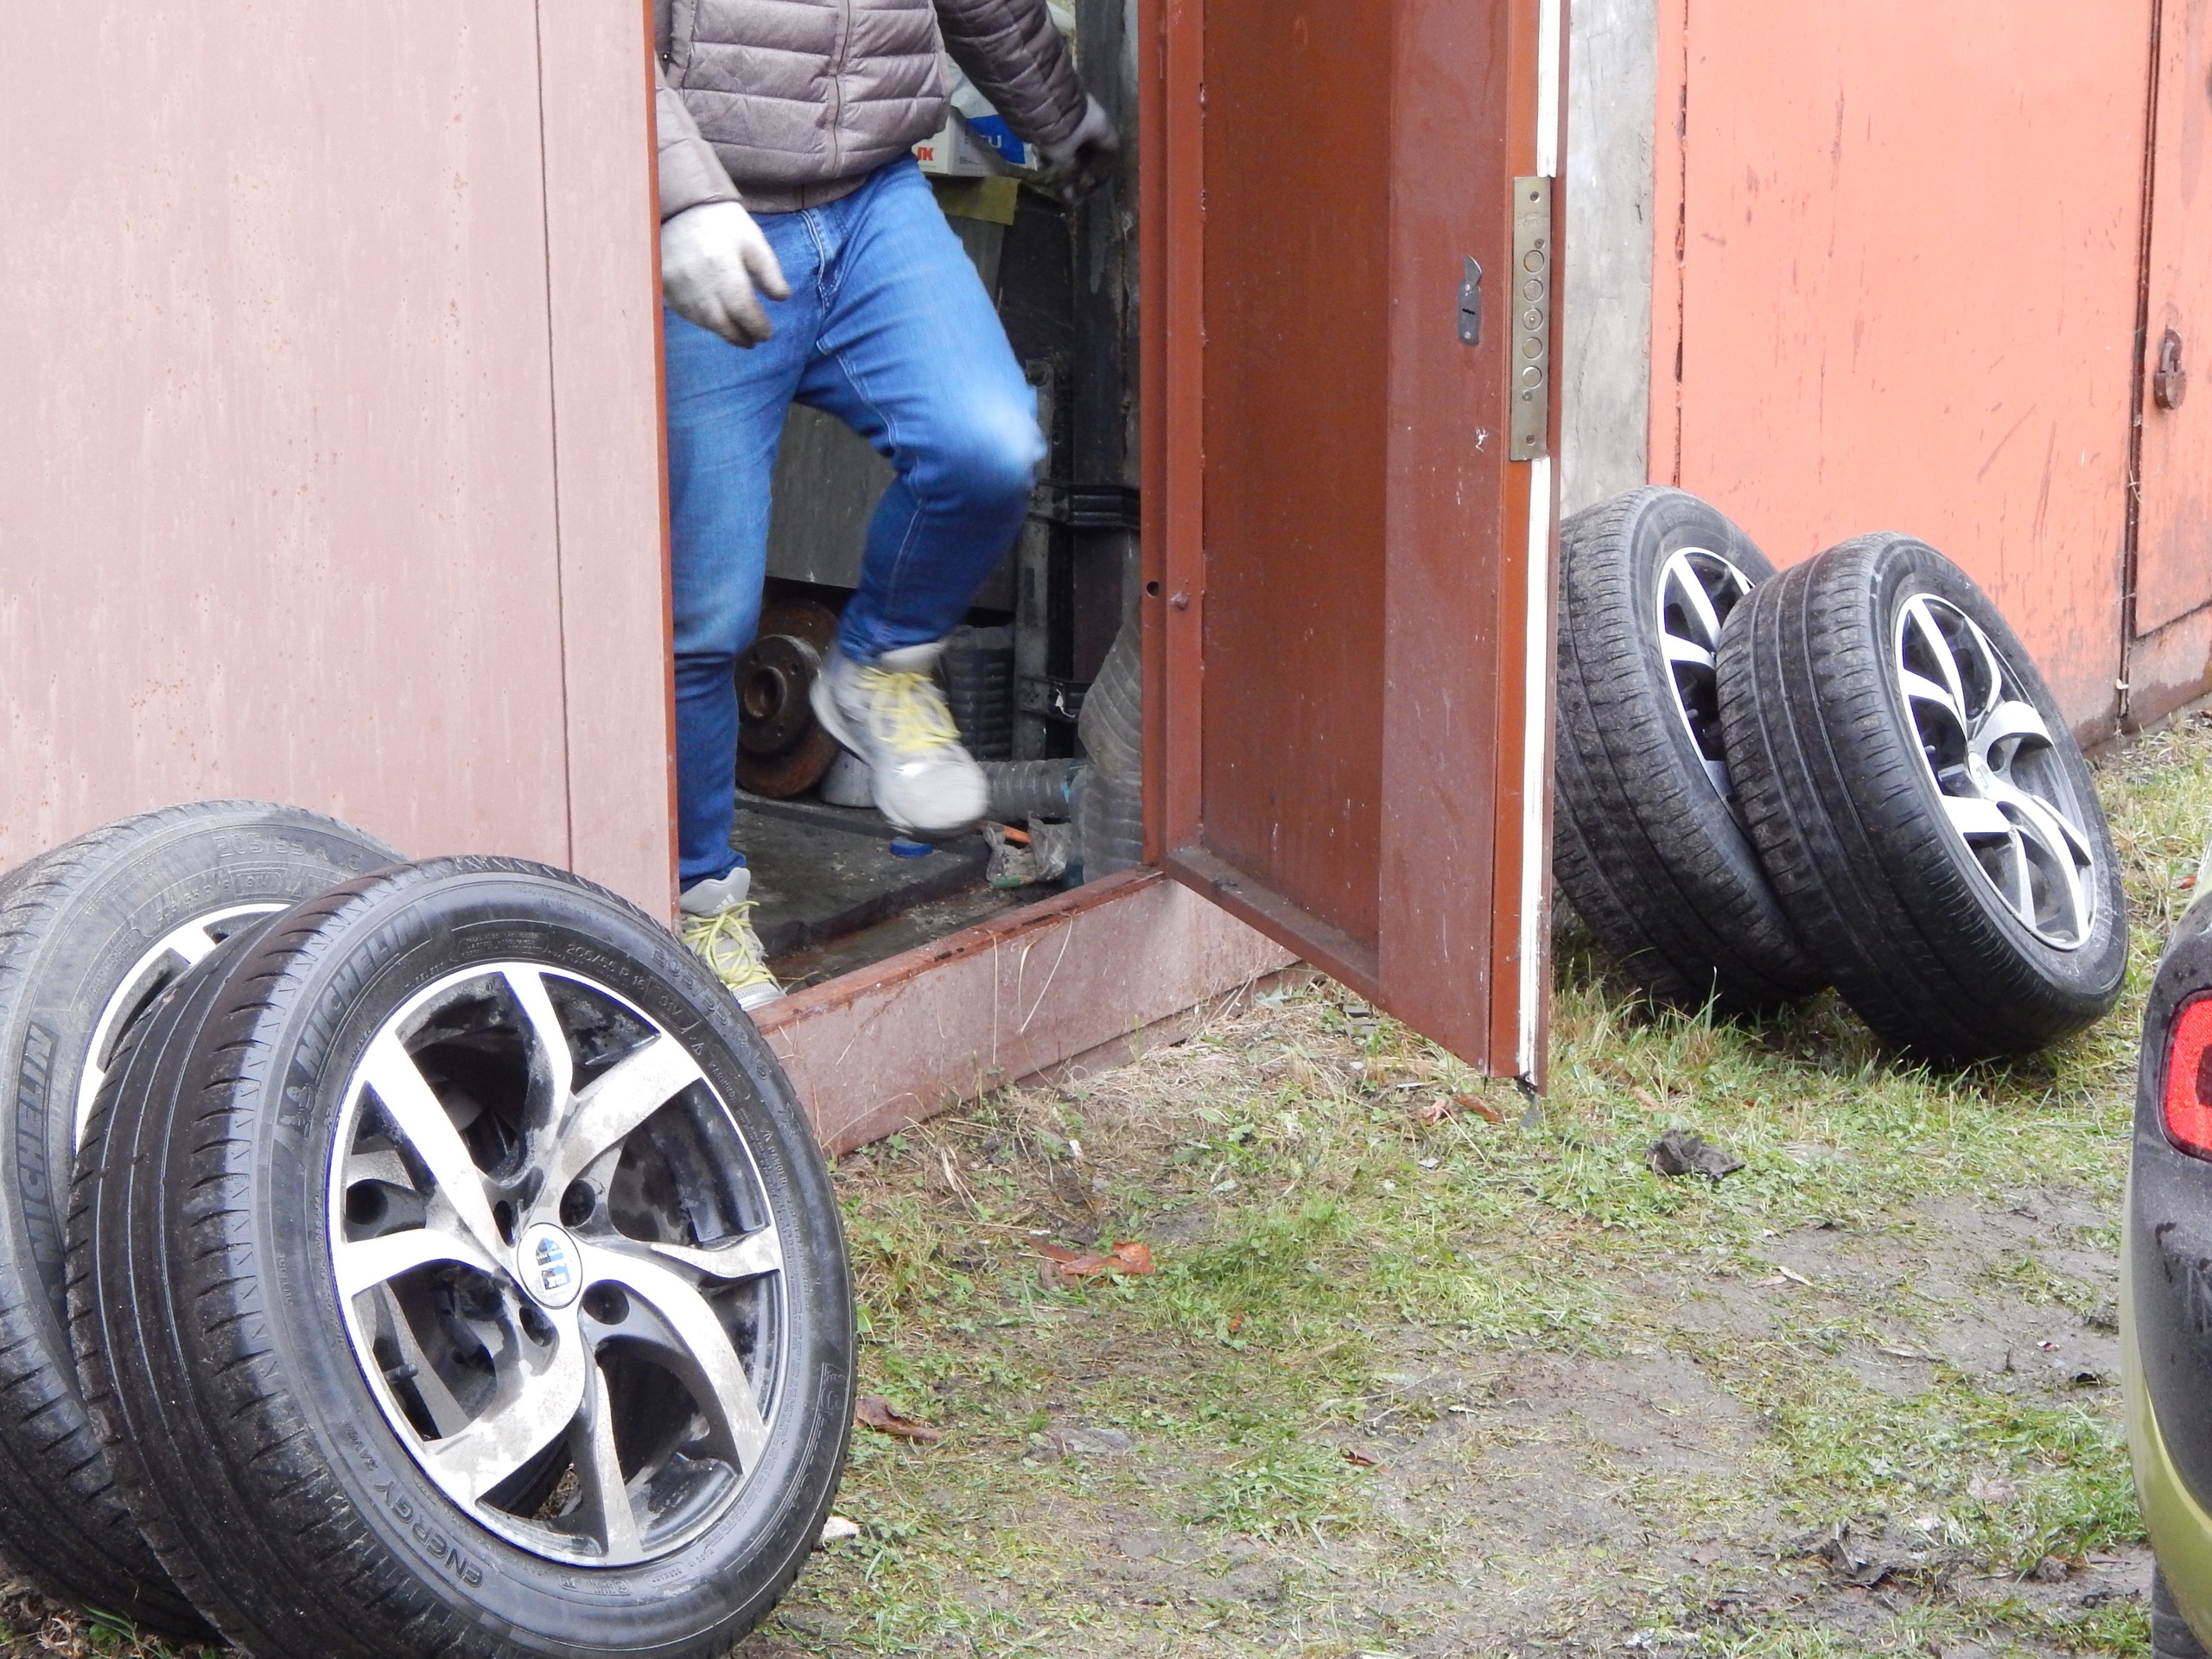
x=787, y=103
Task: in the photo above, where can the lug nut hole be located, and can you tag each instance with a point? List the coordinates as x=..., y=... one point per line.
x=577, y=1203
x=365, y=1204
x=607, y=1304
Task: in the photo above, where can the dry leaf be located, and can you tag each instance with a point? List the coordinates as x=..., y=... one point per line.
x=1134, y=1257
x=1441, y=1110
x=1236, y=1323
x=1127, y=1256
x=1360, y=1458
x=874, y=1411
x=1643, y=1097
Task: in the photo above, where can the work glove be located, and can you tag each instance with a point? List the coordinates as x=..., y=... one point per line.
x=1086, y=158
x=713, y=259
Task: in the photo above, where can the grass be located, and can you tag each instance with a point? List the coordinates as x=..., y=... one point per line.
x=1428, y=1388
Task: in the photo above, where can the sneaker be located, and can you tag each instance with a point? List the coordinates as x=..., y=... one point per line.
x=721, y=936
x=891, y=714
x=712, y=897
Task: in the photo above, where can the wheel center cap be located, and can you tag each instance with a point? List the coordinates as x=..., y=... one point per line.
x=549, y=1264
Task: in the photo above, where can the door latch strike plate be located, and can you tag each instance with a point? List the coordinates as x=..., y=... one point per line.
x=1530, y=390
x=1471, y=305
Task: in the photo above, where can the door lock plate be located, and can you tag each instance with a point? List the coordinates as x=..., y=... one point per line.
x=1529, y=390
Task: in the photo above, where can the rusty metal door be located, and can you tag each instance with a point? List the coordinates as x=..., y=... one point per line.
x=330, y=461
x=1348, y=580
x=1898, y=265
x=2173, y=570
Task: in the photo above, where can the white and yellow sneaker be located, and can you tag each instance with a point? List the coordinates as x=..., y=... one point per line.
x=891, y=714
x=718, y=927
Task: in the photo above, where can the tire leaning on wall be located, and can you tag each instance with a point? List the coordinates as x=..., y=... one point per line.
x=90, y=933
x=459, y=1275
x=1920, y=804
x=1650, y=847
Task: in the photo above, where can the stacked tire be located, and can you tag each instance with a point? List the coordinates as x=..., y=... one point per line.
x=1850, y=773
x=398, y=1258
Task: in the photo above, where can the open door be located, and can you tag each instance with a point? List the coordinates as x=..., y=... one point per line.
x=1349, y=226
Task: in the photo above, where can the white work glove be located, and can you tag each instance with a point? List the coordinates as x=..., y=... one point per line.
x=712, y=258
x=1086, y=158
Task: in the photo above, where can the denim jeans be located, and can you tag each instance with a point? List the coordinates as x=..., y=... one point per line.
x=889, y=329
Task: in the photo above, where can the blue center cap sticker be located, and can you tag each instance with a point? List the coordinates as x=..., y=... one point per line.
x=552, y=1269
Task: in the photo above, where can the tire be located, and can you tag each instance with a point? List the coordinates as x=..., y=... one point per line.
x=1839, y=709
x=2170, y=1635
x=1649, y=847
x=326, y=1475
x=89, y=933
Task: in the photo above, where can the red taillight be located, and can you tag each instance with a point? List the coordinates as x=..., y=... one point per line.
x=2188, y=1079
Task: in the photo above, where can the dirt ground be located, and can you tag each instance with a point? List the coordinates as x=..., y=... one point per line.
x=1426, y=1369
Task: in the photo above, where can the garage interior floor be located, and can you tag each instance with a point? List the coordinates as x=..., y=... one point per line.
x=834, y=897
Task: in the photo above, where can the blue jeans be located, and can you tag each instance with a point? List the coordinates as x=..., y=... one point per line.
x=889, y=329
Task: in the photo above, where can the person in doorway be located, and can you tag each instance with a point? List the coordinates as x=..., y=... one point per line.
x=804, y=259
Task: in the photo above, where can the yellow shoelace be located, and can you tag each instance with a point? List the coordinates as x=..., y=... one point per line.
x=905, y=712
x=726, y=943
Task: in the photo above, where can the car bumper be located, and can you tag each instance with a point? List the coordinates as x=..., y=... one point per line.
x=2180, y=1528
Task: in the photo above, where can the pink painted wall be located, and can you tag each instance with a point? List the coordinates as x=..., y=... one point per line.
x=329, y=455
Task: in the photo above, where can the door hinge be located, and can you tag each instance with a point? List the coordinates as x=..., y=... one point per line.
x=1471, y=305
x=1529, y=391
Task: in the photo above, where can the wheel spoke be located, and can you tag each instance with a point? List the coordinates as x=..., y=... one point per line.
x=383, y=1165
x=476, y=1460
x=720, y=1388
x=2051, y=826
x=373, y=1261
x=1942, y=658
x=607, y=1111
x=1697, y=603
x=610, y=1512
x=1679, y=649
x=2013, y=719
x=1971, y=815
x=1920, y=688
x=748, y=1258
x=390, y=1071
x=1993, y=671
x=447, y=1415
x=2066, y=854
x=549, y=1037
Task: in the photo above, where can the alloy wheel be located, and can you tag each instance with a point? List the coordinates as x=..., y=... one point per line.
x=558, y=1270
x=1697, y=589
x=1994, y=760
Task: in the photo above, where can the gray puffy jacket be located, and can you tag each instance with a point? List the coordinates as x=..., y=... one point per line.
x=787, y=103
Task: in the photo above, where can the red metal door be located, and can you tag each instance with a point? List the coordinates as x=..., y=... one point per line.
x=1347, y=580
x=2173, y=571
